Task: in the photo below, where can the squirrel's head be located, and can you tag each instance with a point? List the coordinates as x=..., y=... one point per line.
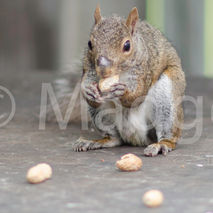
x=111, y=43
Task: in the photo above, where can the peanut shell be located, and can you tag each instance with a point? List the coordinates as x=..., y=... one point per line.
x=106, y=83
x=39, y=173
x=129, y=163
x=153, y=198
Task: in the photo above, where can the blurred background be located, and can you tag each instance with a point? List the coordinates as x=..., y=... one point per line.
x=51, y=34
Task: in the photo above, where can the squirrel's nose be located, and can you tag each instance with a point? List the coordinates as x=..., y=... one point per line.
x=104, y=62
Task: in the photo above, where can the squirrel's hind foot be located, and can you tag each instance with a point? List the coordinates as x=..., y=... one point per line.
x=162, y=147
x=83, y=145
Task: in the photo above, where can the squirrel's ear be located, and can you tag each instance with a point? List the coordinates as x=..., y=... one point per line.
x=97, y=14
x=132, y=19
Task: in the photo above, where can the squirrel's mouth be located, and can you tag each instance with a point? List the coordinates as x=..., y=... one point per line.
x=105, y=67
x=105, y=72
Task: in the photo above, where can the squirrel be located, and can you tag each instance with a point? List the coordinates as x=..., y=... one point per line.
x=144, y=108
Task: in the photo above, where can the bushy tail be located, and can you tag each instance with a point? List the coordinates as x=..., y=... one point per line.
x=68, y=100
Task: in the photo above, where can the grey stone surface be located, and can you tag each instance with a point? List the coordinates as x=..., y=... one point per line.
x=89, y=182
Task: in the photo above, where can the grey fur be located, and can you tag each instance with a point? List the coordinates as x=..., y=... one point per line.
x=156, y=111
x=144, y=100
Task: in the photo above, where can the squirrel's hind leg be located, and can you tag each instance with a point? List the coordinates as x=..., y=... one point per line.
x=83, y=145
x=167, y=113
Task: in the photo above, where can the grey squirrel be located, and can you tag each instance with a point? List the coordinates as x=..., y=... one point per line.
x=149, y=91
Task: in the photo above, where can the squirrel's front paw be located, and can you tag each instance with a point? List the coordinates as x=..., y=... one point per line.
x=92, y=93
x=116, y=90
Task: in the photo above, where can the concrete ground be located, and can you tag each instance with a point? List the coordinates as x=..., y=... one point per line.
x=89, y=182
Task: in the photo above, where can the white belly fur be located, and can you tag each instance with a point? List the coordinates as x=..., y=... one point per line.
x=134, y=127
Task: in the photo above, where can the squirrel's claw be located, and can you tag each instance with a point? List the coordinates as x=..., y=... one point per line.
x=92, y=93
x=116, y=90
x=154, y=149
x=83, y=145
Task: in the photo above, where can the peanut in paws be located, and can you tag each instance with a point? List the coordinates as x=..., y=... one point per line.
x=105, y=84
x=129, y=163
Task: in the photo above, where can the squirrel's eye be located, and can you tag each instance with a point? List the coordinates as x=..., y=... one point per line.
x=126, y=47
x=90, y=45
